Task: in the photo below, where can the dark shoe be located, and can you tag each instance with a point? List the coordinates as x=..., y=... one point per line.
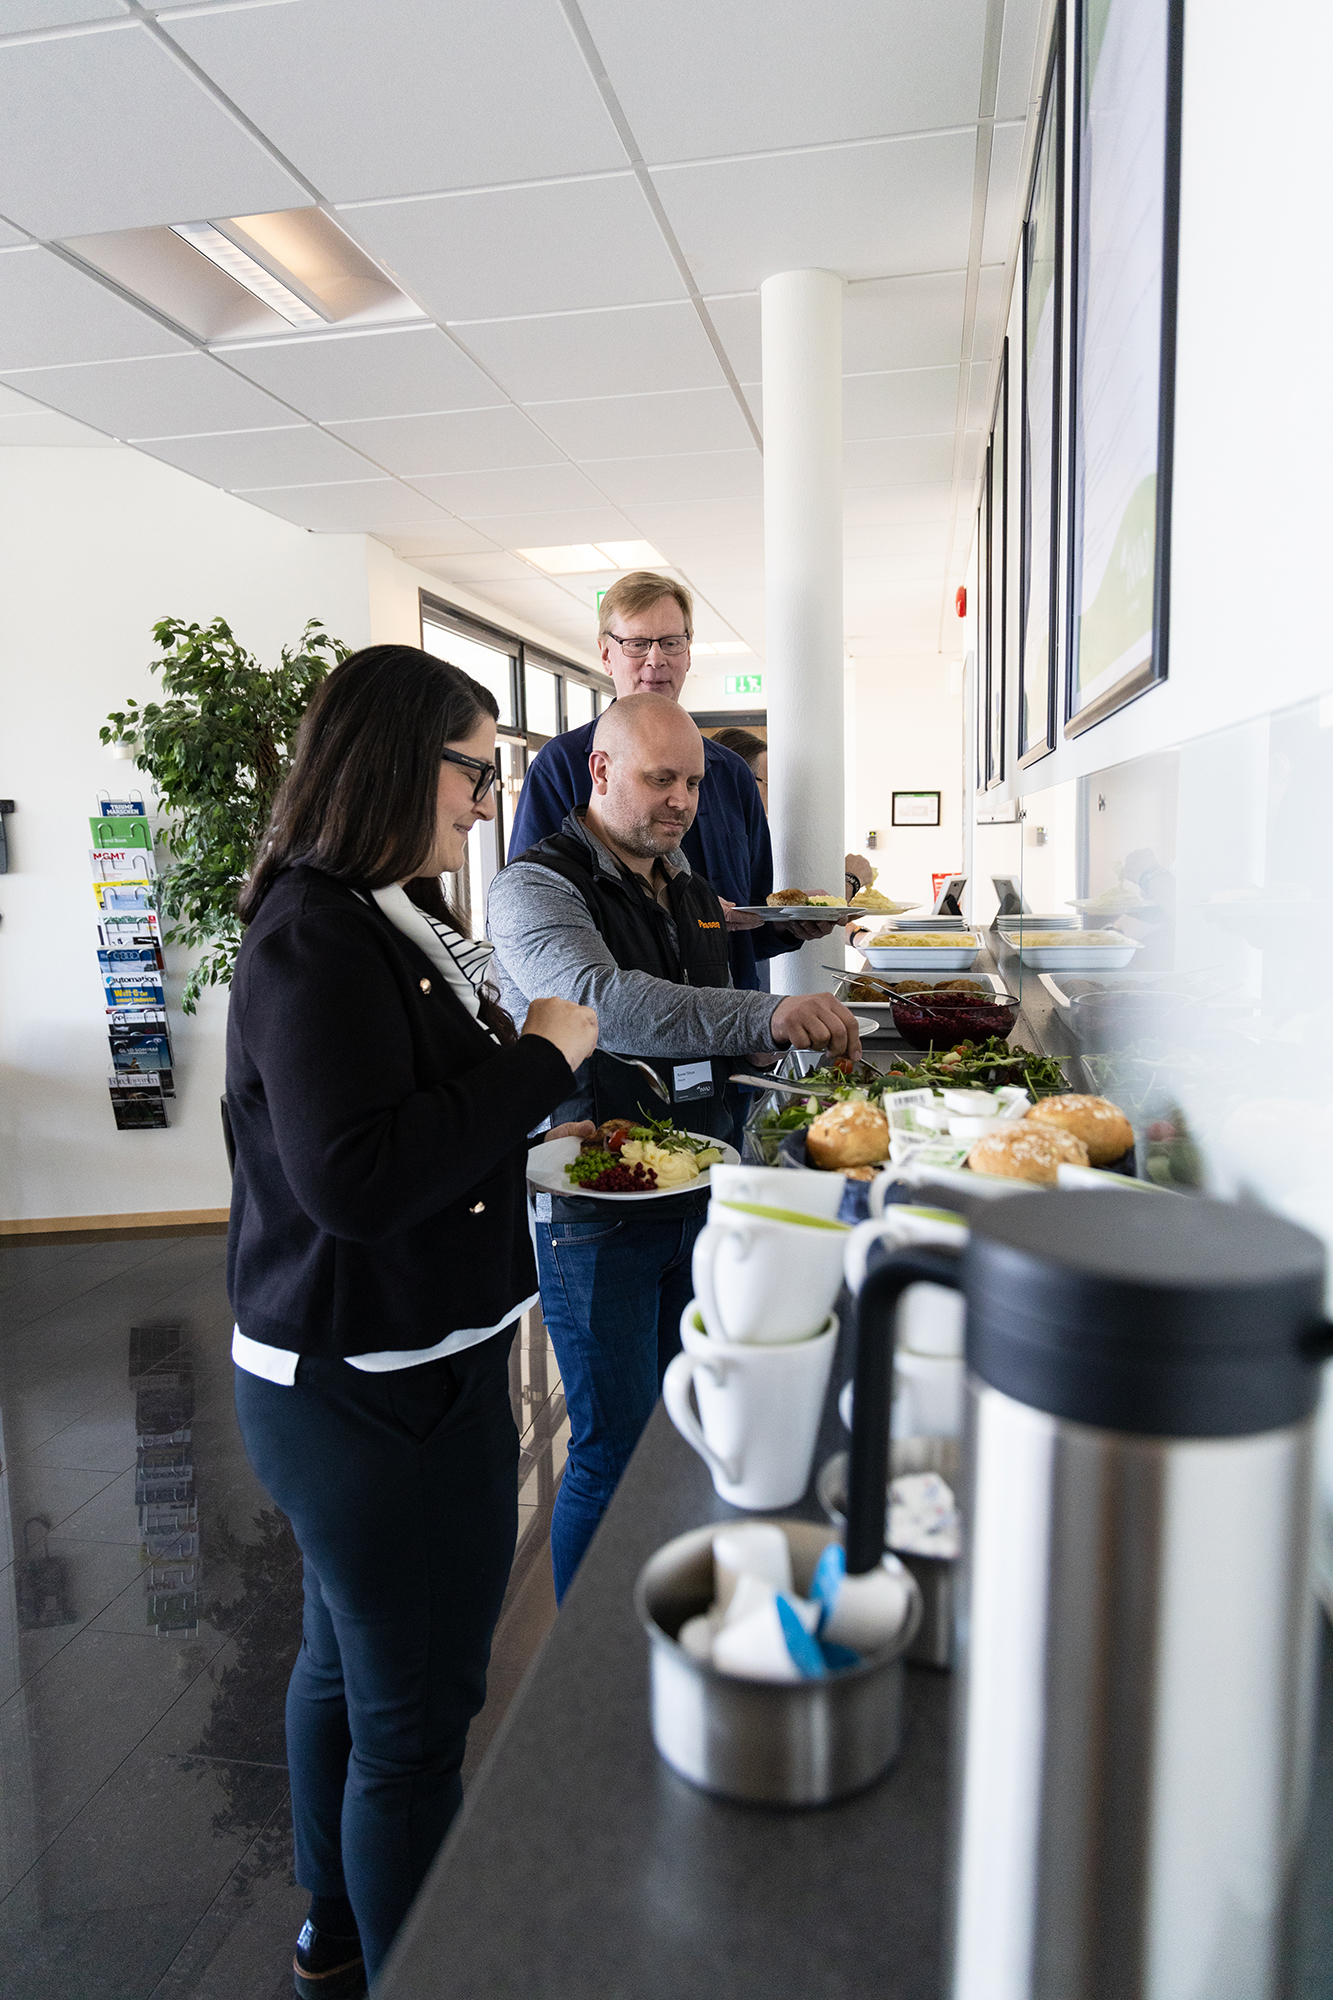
x=327, y=1968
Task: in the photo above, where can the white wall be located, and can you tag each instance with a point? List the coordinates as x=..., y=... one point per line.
x=96, y=545
x=908, y=721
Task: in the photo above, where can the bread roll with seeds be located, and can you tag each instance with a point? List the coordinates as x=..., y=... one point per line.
x=1101, y=1125
x=1026, y=1152
x=854, y=1134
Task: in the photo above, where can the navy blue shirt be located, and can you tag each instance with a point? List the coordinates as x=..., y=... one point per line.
x=728, y=843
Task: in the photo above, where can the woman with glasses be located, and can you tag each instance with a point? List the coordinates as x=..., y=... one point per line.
x=378, y=1262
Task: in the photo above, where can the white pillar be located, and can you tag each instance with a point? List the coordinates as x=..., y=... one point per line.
x=803, y=664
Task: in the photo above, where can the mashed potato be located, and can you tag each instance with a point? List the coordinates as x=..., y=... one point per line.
x=672, y=1169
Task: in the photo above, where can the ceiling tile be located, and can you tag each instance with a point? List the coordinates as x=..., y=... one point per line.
x=625, y=426
x=9, y=236
x=459, y=441
x=450, y=541
x=1019, y=78
x=492, y=566
x=48, y=427
x=110, y=131
x=736, y=321
x=701, y=475
x=334, y=377
x=866, y=211
x=345, y=507
x=638, y=349
x=19, y=17
x=244, y=459
x=173, y=396
x=471, y=495
x=1002, y=193
x=562, y=247
x=555, y=529
x=697, y=79
x=909, y=402
x=663, y=523
x=898, y=461
x=51, y=313
x=452, y=97
x=903, y=322
x=986, y=331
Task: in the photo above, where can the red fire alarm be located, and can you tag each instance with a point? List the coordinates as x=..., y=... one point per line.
x=960, y=600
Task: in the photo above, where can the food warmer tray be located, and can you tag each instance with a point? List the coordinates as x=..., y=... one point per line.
x=1083, y=956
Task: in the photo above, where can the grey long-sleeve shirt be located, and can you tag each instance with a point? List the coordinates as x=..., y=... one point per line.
x=547, y=943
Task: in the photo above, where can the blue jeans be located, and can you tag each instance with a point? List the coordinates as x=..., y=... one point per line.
x=613, y=1291
x=402, y=1492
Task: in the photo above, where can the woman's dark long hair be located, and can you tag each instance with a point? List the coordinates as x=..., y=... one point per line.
x=359, y=801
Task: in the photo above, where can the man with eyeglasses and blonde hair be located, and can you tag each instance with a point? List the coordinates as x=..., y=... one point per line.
x=644, y=633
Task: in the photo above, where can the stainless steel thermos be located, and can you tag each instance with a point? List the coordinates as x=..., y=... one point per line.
x=1136, y=1638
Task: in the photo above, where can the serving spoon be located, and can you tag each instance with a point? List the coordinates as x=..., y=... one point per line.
x=659, y=1089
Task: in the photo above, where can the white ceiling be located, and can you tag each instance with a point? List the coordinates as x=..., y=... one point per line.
x=584, y=197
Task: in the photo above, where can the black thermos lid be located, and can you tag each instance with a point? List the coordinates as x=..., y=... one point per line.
x=1165, y=1315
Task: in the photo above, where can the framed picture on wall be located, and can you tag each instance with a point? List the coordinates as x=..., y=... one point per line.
x=1126, y=198
x=1042, y=277
x=997, y=529
x=915, y=809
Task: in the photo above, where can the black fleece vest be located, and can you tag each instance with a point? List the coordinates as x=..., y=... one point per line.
x=636, y=932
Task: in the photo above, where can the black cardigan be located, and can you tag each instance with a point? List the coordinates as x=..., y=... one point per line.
x=378, y=1198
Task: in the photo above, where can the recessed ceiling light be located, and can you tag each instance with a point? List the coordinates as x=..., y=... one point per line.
x=228, y=257
x=631, y=555
x=731, y=646
x=570, y=559
x=697, y=646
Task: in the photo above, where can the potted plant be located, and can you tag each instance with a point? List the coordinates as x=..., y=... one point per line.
x=217, y=748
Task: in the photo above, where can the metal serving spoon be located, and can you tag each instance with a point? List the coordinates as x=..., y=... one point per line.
x=781, y=1083
x=659, y=1089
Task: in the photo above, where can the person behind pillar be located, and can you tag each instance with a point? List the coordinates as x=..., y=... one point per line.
x=378, y=1261
x=645, y=626
x=610, y=913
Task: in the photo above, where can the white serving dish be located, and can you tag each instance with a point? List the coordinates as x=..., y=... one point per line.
x=958, y=957
x=1082, y=957
x=547, y=1163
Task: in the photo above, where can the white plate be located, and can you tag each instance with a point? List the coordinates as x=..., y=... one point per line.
x=924, y=924
x=867, y=1024
x=958, y=957
x=800, y=913
x=1085, y=958
x=546, y=1164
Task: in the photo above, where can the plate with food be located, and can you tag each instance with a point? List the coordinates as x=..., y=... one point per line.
x=624, y=1161
x=935, y=951
x=811, y=906
x=1072, y=951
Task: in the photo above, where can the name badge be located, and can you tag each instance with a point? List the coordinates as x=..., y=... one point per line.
x=691, y=1080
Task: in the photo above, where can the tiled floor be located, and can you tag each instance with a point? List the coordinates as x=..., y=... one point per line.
x=149, y=1614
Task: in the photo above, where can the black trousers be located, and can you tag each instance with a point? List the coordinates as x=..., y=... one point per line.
x=402, y=1492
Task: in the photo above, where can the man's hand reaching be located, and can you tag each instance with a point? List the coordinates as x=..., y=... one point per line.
x=815, y=1021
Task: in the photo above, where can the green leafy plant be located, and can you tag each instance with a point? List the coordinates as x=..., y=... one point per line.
x=217, y=748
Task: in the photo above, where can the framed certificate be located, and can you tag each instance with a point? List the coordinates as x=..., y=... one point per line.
x=1126, y=198
x=1042, y=278
x=915, y=809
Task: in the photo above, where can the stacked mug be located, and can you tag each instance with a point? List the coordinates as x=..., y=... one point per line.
x=759, y=1336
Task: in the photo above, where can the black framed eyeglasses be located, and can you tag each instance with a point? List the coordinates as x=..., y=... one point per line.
x=486, y=773
x=673, y=645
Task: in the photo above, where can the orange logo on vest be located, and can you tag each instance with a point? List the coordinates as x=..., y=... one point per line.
x=707, y=927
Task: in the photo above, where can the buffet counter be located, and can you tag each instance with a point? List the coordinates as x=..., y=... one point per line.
x=582, y=1866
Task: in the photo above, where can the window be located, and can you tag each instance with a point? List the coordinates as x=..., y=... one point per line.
x=580, y=703
x=494, y=669
x=543, y=701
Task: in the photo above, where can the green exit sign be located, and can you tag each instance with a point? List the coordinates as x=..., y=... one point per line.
x=745, y=683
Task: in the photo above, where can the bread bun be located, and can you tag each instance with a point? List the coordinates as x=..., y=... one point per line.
x=854, y=1134
x=1101, y=1125
x=781, y=896
x=1022, y=1151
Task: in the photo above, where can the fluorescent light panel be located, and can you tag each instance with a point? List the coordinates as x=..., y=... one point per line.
x=588, y=558
x=261, y=284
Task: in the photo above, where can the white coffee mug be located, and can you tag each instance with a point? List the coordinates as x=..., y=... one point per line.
x=759, y=1277
x=759, y=1409
x=800, y=1188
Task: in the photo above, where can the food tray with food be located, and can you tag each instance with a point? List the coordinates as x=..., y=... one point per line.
x=874, y=993
x=1071, y=951
x=942, y=1019
x=628, y=1162
x=922, y=951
